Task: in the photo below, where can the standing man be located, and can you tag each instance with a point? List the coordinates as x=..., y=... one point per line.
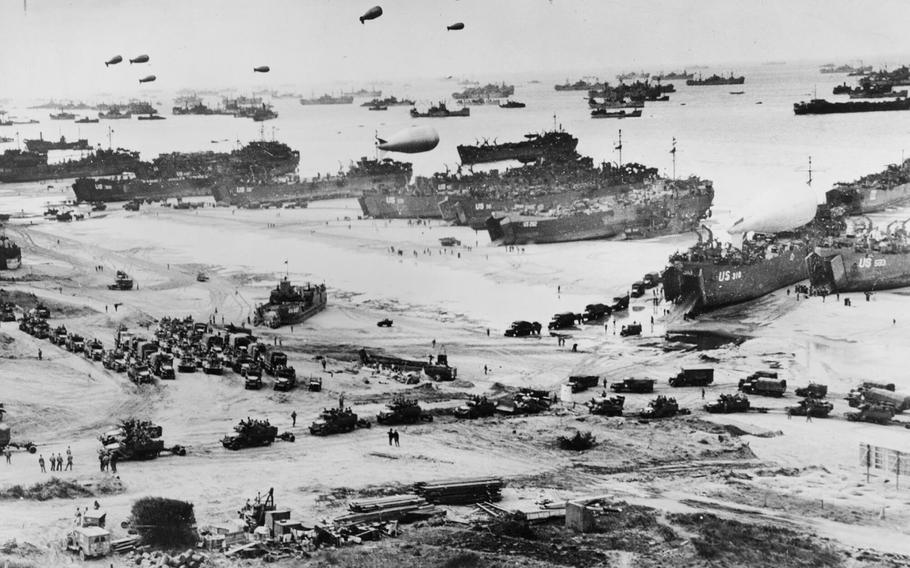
x=293, y=418
x=40, y=354
x=391, y=436
x=41, y=463
x=69, y=462
x=8, y=454
x=113, y=462
x=395, y=435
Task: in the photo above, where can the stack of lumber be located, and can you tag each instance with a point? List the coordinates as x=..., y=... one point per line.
x=392, y=508
x=461, y=491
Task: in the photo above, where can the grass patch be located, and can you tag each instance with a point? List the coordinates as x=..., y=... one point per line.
x=56, y=488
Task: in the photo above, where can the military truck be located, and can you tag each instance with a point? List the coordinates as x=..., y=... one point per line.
x=813, y=390
x=651, y=279
x=638, y=289
x=476, y=407
x=59, y=335
x=336, y=421
x=876, y=395
x=7, y=311
x=285, y=382
x=563, y=321
x=94, y=349
x=42, y=311
x=122, y=280
x=814, y=407
x=523, y=329
x=607, y=406
x=211, y=365
x=273, y=361
x=139, y=373
x=630, y=329
x=580, y=383
x=875, y=413
x=186, y=362
x=595, y=312
x=763, y=383
x=250, y=433
x=634, y=385
x=693, y=378
x=403, y=410
x=163, y=366
x=89, y=539
x=114, y=360
x=136, y=439
x=620, y=303
x=663, y=407
x=75, y=343
x=314, y=384
x=728, y=404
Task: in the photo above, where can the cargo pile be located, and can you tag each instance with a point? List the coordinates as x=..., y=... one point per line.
x=158, y=559
x=461, y=491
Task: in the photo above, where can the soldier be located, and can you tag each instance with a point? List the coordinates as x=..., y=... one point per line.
x=59, y=461
x=69, y=462
x=293, y=418
x=40, y=354
x=391, y=436
x=395, y=437
x=113, y=463
x=41, y=463
x=8, y=454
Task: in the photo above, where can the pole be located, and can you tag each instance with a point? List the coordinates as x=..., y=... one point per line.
x=868, y=460
x=673, y=151
x=810, y=172
x=619, y=147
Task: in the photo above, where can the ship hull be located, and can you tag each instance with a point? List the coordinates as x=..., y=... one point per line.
x=846, y=270
x=717, y=285
x=866, y=199
x=825, y=107
x=382, y=206
x=521, y=151
x=632, y=222
x=62, y=171
x=90, y=190
x=327, y=188
x=468, y=211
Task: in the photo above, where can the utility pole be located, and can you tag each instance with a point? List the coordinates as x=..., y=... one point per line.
x=619, y=147
x=809, y=182
x=109, y=132
x=673, y=151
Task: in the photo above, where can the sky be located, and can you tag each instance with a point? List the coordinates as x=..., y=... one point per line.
x=58, y=47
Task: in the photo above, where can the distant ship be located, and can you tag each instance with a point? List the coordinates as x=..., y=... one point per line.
x=489, y=91
x=533, y=147
x=512, y=104
x=716, y=80
x=150, y=117
x=387, y=102
x=63, y=116
x=16, y=166
x=42, y=145
x=10, y=254
x=830, y=68
x=660, y=207
x=87, y=120
x=289, y=305
x=862, y=263
x=616, y=113
x=674, y=76
x=580, y=85
x=362, y=93
x=114, y=114
x=821, y=106
x=633, y=76
x=440, y=111
x=190, y=105
x=328, y=100
x=872, y=193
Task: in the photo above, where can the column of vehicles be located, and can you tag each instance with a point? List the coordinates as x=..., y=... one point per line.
x=592, y=314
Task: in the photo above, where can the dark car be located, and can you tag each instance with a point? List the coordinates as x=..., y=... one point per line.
x=384, y=323
x=523, y=328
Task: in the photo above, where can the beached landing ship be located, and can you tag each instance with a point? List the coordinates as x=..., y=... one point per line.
x=821, y=106
x=289, y=305
x=16, y=166
x=534, y=147
x=874, y=192
x=10, y=254
x=659, y=207
x=863, y=263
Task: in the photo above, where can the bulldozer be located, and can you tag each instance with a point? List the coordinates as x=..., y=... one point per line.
x=728, y=404
x=336, y=421
x=814, y=407
x=403, y=411
x=476, y=407
x=252, y=432
x=607, y=406
x=663, y=407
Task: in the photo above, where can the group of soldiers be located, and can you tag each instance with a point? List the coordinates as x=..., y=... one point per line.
x=56, y=461
x=107, y=459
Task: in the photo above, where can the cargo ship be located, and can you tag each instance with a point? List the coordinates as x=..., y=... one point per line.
x=862, y=263
x=535, y=146
x=17, y=166
x=821, y=106
x=63, y=116
x=440, y=111
x=387, y=102
x=616, y=113
x=580, y=85
x=489, y=91
x=290, y=305
x=674, y=76
x=873, y=193
x=114, y=114
x=654, y=208
x=10, y=254
x=365, y=175
x=197, y=108
x=362, y=93
x=716, y=80
x=711, y=274
x=42, y=145
x=328, y=100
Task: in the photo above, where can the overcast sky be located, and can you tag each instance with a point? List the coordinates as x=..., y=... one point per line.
x=57, y=47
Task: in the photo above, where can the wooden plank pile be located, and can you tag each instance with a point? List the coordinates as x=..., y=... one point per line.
x=124, y=545
x=392, y=508
x=461, y=491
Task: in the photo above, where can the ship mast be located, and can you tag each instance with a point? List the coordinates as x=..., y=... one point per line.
x=109, y=132
x=619, y=147
x=809, y=182
x=673, y=151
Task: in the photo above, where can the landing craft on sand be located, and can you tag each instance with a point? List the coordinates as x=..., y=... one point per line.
x=410, y=141
x=290, y=304
x=147, y=79
x=113, y=61
x=371, y=14
x=261, y=69
x=139, y=59
x=10, y=254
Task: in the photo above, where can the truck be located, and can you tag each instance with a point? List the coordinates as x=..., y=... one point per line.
x=876, y=395
x=89, y=539
x=336, y=421
x=75, y=343
x=274, y=360
x=620, y=303
x=606, y=406
x=728, y=404
x=523, y=329
x=475, y=407
x=403, y=410
x=595, y=312
x=252, y=382
x=763, y=385
x=314, y=384
x=94, y=349
x=812, y=390
x=875, y=413
x=693, y=378
x=59, y=335
x=580, y=383
x=136, y=439
x=634, y=385
x=139, y=373
x=814, y=407
x=163, y=366
x=285, y=382
x=631, y=329
x=211, y=365
x=638, y=289
x=563, y=321
x=114, y=360
x=250, y=433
